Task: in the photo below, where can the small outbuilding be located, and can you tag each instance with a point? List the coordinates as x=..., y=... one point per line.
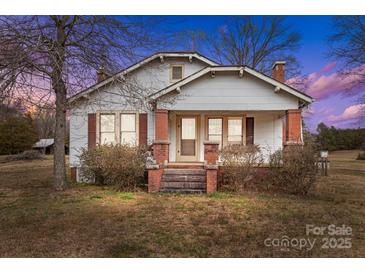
x=45, y=146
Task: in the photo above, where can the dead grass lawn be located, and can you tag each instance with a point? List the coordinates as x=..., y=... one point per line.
x=93, y=221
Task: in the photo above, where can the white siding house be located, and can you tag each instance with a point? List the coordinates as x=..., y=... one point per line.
x=185, y=99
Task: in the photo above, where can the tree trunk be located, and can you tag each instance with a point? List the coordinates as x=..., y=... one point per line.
x=59, y=87
x=59, y=146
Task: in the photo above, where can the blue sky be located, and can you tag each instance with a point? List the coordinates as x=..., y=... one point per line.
x=333, y=104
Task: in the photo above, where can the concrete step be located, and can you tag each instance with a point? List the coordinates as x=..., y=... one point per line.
x=192, y=180
x=184, y=185
x=178, y=171
x=182, y=178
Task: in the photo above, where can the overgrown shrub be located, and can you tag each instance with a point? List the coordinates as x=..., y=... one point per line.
x=26, y=155
x=122, y=166
x=293, y=170
x=239, y=163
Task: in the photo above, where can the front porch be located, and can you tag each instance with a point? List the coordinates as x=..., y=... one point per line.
x=188, y=142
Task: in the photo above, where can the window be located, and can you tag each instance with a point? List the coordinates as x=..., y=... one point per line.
x=176, y=72
x=107, y=128
x=128, y=129
x=215, y=130
x=225, y=130
x=234, y=130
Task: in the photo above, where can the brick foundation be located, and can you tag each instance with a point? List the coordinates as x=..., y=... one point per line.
x=212, y=178
x=73, y=174
x=154, y=180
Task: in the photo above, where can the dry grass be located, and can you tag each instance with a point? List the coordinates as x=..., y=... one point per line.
x=93, y=221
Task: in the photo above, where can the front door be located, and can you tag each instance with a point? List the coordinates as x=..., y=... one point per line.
x=187, y=138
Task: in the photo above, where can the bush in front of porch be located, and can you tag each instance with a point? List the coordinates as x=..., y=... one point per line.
x=290, y=170
x=120, y=165
x=239, y=163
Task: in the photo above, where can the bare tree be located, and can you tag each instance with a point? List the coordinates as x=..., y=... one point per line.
x=44, y=119
x=256, y=42
x=347, y=47
x=190, y=40
x=47, y=58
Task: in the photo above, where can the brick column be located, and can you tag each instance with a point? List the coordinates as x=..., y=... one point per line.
x=154, y=179
x=161, y=143
x=161, y=125
x=212, y=178
x=160, y=150
x=211, y=164
x=293, y=127
x=211, y=152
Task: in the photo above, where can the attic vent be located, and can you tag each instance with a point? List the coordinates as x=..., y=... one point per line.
x=176, y=72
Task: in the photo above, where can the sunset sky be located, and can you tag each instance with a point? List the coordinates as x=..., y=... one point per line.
x=334, y=105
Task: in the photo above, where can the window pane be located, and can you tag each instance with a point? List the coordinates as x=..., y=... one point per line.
x=107, y=138
x=234, y=127
x=217, y=138
x=214, y=126
x=188, y=128
x=128, y=122
x=107, y=122
x=234, y=138
x=128, y=138
x=176, y=72
x=188, y=147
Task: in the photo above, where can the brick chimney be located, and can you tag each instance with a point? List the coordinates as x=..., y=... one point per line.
x=278, y=71
x=101, y=75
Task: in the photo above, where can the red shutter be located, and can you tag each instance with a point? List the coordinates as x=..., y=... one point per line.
x=91, y=130
x=284, y=131
x=142, y=129
x=250, y=130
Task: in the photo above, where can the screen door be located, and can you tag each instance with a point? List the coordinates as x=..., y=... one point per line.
x=187, y=149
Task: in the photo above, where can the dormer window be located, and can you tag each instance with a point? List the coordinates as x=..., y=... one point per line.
x=176, y=72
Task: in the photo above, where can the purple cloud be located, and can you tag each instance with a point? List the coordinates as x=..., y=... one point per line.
x=327, y=68
x=320, y=86
x=351, y=113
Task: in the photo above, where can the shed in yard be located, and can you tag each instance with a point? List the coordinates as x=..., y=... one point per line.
x=45, y=146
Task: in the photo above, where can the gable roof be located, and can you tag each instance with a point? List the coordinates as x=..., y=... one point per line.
x=277, y=84
x=188, y=54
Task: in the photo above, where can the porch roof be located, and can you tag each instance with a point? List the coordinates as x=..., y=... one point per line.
x=278, y=86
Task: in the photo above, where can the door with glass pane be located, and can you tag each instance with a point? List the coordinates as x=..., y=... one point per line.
x=188, y=136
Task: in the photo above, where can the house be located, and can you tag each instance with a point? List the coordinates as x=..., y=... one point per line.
x=191, y=107
x=44, y=146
